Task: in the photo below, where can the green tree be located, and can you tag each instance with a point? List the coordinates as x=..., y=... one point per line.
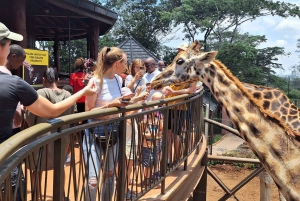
x=214, y=16
x=143, y=21
x=245, y=60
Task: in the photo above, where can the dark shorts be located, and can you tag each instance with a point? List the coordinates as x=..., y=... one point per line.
x=150, y=156
x=176, y=120
x=81, y=108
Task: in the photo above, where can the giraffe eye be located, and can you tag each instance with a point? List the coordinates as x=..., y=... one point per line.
x=180, y=61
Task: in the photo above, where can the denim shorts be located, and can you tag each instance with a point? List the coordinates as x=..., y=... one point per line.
x=150, y=156
x=102, y=129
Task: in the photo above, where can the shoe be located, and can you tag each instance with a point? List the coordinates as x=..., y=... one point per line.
x=147, y=182
x=155, y=176
x=68, y=159
x=130, y=195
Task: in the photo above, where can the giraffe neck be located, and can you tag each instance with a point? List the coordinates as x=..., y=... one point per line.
x=278, y=152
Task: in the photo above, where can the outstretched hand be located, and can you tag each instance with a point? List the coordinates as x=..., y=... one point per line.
x=118, y=103
x=141, y=96
x=167, y=91
x=90, y=88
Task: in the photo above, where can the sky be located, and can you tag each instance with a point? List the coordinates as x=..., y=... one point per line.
x=281, y=32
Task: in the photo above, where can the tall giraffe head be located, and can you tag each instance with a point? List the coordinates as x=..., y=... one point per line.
x=188, y=66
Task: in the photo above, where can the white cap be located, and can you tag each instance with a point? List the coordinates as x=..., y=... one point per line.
x=183, y=46
x=6, y=33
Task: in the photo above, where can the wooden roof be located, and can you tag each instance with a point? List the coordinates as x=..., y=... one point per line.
x=50, y=18
x=135, y=50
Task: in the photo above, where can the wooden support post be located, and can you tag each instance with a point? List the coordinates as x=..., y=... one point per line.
x=19, y=24
x=201, y=188
x=56, y=54
x=30, y=30
x=265, y=186
x=93, y=39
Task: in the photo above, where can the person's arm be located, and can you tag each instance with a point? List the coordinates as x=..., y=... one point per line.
x=44, y=108
x=130, y=84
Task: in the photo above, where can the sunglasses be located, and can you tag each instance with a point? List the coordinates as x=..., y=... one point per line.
x=147, y=65
x=142, y=68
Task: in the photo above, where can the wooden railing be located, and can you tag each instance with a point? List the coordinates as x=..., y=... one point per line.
x=33, y=162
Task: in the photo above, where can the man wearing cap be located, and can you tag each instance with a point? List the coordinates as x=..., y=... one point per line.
x=152, y=72
x=182, y=47
x=5, y=37
x=14, y=90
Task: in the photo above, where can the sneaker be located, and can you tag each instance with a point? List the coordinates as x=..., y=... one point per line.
x=130, y=195
x=155, y=176
x=68, y=159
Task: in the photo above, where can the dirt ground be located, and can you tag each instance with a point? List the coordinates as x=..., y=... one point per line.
x=231, y=176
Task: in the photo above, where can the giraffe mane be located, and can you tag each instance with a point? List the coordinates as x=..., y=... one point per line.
x=240, y=85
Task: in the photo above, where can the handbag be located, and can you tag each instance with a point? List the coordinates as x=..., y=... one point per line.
x=103, y=142
x=24, y=124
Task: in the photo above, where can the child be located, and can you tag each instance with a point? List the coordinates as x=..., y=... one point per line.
x=152, y=127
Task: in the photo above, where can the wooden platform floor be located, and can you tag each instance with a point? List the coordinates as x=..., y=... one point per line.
x=178, y=185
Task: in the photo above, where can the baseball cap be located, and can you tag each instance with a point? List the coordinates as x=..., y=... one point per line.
x=6, y=33
x=125, y=91
x=183, y=46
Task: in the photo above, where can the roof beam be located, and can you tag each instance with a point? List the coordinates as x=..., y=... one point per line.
x=88, y=9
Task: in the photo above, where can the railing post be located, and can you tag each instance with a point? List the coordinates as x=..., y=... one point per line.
x=201, y=124
x=188, y=133
x=200, y=190
x=58, y=170
x=265, y=186
x=121, y=160
x=206, y=124
x=163, y=162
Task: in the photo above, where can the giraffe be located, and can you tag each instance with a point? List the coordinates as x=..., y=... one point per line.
x=265, y=118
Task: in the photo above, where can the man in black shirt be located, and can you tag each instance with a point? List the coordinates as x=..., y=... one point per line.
x=14, y=89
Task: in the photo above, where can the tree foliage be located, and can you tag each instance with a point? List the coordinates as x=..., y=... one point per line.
x=216, y=23
x=245, y=60
x=214, y=16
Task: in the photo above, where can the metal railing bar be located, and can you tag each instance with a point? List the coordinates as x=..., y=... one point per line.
x=242, y=183
x=233, y=131
x=218, y=180
x=234, y=159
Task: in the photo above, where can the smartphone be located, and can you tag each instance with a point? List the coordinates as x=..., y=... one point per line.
x=125, y=101
x=142, y=70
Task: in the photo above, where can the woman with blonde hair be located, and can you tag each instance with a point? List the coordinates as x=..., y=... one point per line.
x=111, y=62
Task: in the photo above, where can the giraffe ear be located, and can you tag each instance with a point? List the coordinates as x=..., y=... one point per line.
x=208, y=56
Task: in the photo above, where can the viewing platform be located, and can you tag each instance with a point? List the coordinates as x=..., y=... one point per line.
x=151, y=166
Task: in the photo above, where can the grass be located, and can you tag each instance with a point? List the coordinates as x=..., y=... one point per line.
x=216, y=138
x=241, y=152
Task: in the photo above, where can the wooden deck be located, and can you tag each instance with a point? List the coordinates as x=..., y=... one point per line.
x=179, y=185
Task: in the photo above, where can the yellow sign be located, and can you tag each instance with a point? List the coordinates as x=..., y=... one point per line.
x=37, y=57
x=34, y=66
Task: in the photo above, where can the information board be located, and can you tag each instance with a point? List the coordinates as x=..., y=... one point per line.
x=36, y=62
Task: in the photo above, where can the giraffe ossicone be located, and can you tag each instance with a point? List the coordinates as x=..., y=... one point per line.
x=266, y=119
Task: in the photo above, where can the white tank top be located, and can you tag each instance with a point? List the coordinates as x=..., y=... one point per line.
x=111, y=89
